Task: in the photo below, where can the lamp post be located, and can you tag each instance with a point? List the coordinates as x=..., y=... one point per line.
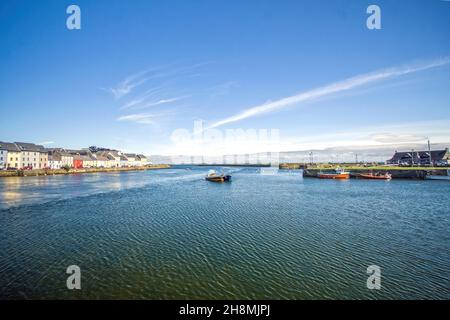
x=429, y=152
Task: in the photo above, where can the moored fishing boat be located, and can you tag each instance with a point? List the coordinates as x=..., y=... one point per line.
x=340, y=174
x=376, y=176
x=215, y=177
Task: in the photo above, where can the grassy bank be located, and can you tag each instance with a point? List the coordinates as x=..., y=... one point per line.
x=355, y=167
x=44, y=172
x=356, y=170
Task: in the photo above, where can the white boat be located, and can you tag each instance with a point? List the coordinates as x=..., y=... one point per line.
x=215, y=177
x=438, y=177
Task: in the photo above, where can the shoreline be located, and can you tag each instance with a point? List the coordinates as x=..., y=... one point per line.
x=51, y=172
x=410, y=173
x=417, y=173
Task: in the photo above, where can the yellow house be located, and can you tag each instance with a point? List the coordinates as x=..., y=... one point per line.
x=32, y=156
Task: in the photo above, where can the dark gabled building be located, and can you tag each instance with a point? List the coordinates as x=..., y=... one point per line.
x=25, y=146
x=8, y=146
x=420, y=157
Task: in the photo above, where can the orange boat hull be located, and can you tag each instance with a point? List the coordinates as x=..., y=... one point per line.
x=369, y=176
x=339, y=176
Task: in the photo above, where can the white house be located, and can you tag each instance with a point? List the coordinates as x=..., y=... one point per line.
x=124, y=161
x=54, y=161
x=102, y=162
x=131, y=159
x=4, y=146
x=142, y=160
x=116, y=155
x=66, y=160
x=113, y=157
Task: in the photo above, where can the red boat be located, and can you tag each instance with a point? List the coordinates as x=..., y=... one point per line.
x=376, y=176
x=340, y=175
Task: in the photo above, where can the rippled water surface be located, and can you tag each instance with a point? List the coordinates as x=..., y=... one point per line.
x=169, y=234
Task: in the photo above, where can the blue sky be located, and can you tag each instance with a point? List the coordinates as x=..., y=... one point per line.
x=138, y=71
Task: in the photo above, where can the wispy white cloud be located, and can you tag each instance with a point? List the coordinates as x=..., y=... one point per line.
x=128, y=84
x=46, y=143
x=125, y=87
x=142, y=118
x=222, y=89
x=157, y=95
x=333, y=88
x=387, y=137
x=146, y=118
x=141, y=99
x=159, y=102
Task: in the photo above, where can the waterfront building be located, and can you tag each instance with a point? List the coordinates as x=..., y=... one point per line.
x=142, y=160
x=102, y=162
x=54, y=161
x=3, y=157
x=43, y=159
x=112, y=162
x=113, y=156
x=77, y=161
x=66, y=159
x=83, y=158
x=124, y=161
x=131, y=159
x=88, y=161
x=23, y=155
x=32, y=156
x=116, y=155
x=9, y=155
x=438, y=157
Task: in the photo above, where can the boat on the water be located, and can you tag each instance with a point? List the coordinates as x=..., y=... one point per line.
x=340, y=174
x=376, y=176
x=431, y=176
x=213, y=176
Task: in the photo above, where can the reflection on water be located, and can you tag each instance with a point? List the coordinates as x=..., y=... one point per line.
x=16, y=191
x=169, y=234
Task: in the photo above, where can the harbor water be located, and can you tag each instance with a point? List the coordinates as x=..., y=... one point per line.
x=169, y=234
